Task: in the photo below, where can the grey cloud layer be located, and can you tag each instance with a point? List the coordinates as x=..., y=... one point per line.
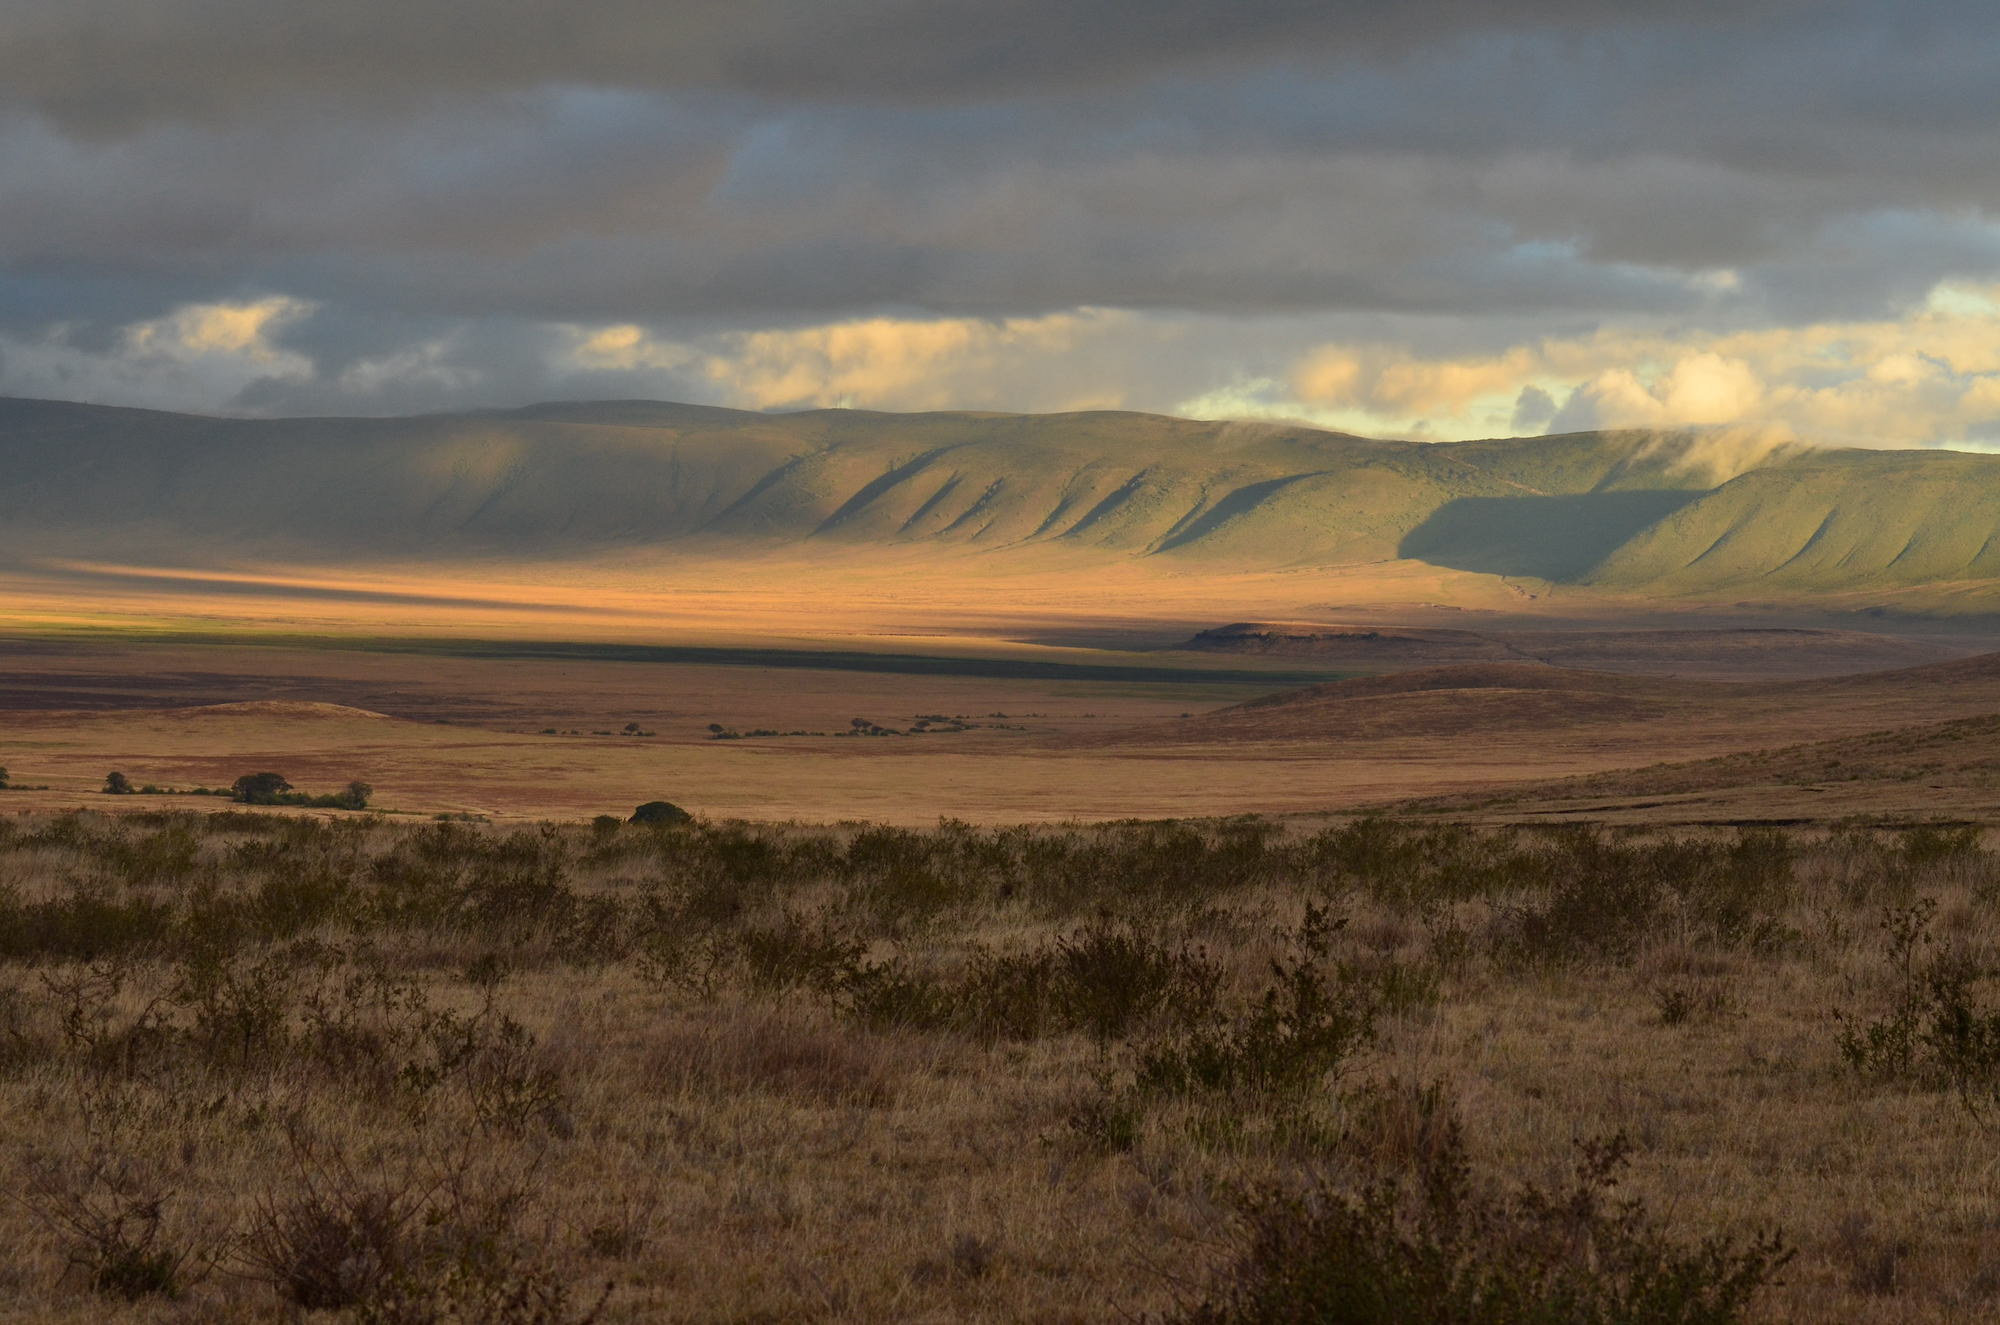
x=439, y=163
x=107, y=63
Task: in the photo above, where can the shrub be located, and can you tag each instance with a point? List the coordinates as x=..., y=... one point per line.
x=1928, y=843
x=117, y=784
x=886, y=994
x=793, y=950
x=435, y=1249
x=1303, y=1028
x=273, y=789
x=1935, y=1033
x=83, y=924
x=660, y=814
x=1103, y=979
x=327, y=1250
x=1441, y=1249
x=115, y=1229
x=1694, y=1002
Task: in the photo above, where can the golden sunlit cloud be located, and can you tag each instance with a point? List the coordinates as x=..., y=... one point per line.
x=1929, y=378
x=876, y=363
x=241, y=330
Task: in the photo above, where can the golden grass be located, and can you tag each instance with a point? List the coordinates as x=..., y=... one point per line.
x=530, y=738
x=697, y=1109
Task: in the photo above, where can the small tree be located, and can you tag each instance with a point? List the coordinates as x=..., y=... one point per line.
x=260, y=788
x=117, y=784
x=660, y=813
x=3, y=779
x=354, y=796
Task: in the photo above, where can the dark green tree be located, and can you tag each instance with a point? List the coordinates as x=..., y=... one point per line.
x=260, y=788
x=117, y=784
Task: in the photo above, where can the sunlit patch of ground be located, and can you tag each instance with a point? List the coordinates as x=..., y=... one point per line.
x=1049, y=679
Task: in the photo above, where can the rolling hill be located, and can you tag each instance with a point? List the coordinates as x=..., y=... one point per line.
x=1480, y=701
x=1923, y=772
x=1616, y=513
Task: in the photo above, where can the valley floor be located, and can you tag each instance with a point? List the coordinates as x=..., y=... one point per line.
x=1421, y=926
x=913, y=733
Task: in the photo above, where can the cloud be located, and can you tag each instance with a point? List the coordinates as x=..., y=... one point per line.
x=1701, y=387
x=625, y=348
x=906, y=364
x=195, y=357
x=238, y=332
x=1533, y=408
x=116, y=62
x=1930, y=377
x=1468, y=215
x=758, y=161
x=882, y=363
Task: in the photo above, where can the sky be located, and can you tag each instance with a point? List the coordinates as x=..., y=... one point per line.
x=1423, y=218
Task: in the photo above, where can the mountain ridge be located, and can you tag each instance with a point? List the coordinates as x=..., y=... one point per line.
x=1633, y=512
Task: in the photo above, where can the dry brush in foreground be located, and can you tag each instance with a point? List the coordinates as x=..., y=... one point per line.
x=258, y=1066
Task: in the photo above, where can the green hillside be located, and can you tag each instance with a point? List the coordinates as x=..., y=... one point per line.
x=1829, y=521
x=1616, y=511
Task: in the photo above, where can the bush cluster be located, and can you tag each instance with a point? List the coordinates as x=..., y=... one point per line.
x=1221, y=991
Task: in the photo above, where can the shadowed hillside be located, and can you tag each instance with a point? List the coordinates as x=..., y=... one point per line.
x=1550, y=538
x=1621, y=512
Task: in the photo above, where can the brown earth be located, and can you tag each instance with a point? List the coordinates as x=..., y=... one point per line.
x=1718, y=653
x=540, y=737
x=1928, y=771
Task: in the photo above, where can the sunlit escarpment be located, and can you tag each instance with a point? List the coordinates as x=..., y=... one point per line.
x=640, y=516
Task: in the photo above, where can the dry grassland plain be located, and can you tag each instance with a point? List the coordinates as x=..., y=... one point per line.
x=1051, y=694
x=550, y=1067
x=254, y=1067
x=1058, y=937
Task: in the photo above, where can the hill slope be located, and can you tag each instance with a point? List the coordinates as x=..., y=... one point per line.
x=560, y=477
x=1829, y=521
x=1475, y=702
x=1622, y=512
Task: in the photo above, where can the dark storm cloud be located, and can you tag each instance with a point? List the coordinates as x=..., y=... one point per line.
x=442, y=179
x=111, y=63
